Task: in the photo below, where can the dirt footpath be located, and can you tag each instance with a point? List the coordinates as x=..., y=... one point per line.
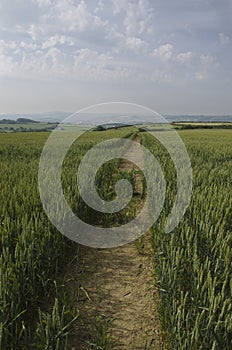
x=119, y=301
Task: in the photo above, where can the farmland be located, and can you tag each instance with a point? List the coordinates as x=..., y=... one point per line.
x=192, y=265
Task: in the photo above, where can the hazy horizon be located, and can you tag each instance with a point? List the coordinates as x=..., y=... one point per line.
x=52, y=112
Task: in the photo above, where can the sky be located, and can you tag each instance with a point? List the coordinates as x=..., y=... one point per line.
x=173, y=56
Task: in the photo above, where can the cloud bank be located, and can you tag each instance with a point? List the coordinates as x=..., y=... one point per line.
x=145, y=44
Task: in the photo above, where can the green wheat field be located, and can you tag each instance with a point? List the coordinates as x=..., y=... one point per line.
x=192, y=264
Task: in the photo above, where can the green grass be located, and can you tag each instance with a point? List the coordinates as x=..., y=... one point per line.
x=192, y=264
x=34, y=311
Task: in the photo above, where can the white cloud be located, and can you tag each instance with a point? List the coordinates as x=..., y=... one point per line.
x=42, y=3
x=5, y=45
x=168, y=53
x=138, y=16
x=207, y=65
x=90, y=57
x=224, y=39
x=57, y=40
x=100, y=6
x=164, y=52
x=52, y=41
x=90, y=65
x=184, y=57
x=54, y=64
x=208, y=61
x=34, y=31
x=172, y=65
x=27, y=46
x=161, y=76
x=136, y=44
x=74, y=18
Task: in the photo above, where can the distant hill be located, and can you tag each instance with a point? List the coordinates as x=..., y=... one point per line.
x=200, y=118
x=18, y=121
x=93, y=118
x=46, y=117
x=25, y=121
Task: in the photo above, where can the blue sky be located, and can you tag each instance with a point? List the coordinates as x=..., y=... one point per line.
x=172, y=56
